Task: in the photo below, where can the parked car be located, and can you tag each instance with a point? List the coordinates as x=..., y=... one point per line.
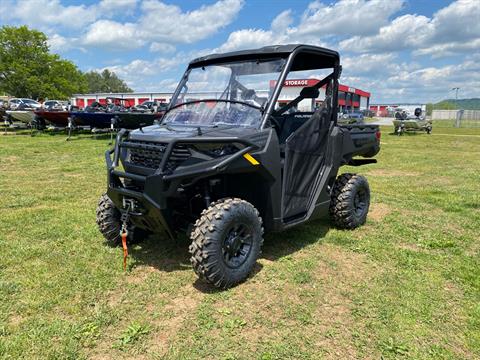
x=20, y=103
x=153, y=106
x=56, y=105
x=352, y=118
x=368, y=113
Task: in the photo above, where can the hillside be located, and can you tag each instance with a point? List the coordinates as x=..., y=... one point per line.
x=467, y=104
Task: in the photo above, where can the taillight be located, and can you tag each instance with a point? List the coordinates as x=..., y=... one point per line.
x=378, y=135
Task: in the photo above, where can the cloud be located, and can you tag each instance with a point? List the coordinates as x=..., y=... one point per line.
x=404, y=32
x=59, y=44
x=248, y=38
x=157, y=24
x=113, y=35
x=382, y=66
x=137, y=71
x=45, y=14
x=162, y=47
x=318, y=23
x=411, y=82
x=282, y=21
x=48, y=14
x=453, y=28
x=369, y=64
x=165, y=24
x=385, y=49
x=459, y=20
x=117, y=5
x=346, y=17
x=449, y=49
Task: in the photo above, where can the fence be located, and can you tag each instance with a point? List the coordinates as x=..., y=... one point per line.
x=457, y=118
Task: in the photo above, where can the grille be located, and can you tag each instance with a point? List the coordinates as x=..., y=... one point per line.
x=145, y=154
x=150, y=154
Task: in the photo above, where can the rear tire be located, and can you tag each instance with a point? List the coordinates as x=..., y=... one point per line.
x=350, y=201
x=109, y=224
x=226, y=242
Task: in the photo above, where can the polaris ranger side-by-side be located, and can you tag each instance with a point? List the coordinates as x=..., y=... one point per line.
x=226, y=163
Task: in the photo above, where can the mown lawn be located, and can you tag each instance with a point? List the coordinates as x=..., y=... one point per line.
x=406, y=285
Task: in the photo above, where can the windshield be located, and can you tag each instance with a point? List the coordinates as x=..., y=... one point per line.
x=27, y=101
x=239, y=87
x=214, y=113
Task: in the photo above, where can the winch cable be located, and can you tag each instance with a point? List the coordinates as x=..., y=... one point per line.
x=123, y=235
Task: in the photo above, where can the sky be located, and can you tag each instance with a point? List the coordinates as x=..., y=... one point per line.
x=399, y=50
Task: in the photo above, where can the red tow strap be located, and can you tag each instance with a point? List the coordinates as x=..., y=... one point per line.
x=124, y=234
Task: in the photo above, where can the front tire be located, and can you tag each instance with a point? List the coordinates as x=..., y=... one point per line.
x=226, y=242
x=350, y=201
x=109, y=224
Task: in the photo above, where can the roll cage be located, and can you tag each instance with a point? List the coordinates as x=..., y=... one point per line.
x=298, y=58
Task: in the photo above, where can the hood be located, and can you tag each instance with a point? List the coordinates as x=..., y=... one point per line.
x=163, y=133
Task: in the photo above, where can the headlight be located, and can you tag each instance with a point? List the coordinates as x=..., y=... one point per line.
x=217, y=150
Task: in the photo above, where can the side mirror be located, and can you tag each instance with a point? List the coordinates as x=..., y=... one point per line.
x=309, y=93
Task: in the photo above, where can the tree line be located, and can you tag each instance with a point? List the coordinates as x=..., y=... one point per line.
x=28, y=69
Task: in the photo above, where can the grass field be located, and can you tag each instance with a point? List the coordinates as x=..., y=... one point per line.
x=406, y=285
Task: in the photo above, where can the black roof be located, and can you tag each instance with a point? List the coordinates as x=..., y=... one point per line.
x=309, y=57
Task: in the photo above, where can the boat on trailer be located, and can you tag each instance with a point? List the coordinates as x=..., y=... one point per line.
x=55, y=118
x=24, y=116
x=116, y=120
x=405, y=122
x=116, y=115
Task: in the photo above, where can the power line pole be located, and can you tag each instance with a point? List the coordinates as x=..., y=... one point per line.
x=457, y=117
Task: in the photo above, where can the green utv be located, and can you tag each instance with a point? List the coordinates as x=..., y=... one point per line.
x=227, y=164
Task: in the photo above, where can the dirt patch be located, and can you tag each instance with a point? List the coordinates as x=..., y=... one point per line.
x=140, y=274
x=315, y=310
x=15, y=320
x=430, y=220
x=334, y=321
x=378, y=211
x=73, y=175
x=412, y=247
x=165, y=322
x=10, y=159
x=176, y=312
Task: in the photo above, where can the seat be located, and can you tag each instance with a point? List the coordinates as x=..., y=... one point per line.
x=289, y=124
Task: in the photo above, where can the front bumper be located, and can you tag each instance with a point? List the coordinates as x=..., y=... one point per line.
x=155, y=187
x=149, y=213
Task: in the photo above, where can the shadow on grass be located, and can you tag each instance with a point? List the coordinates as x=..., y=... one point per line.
x=162, y=253
x=278, y=245
x=165, y=254
x=407, y=133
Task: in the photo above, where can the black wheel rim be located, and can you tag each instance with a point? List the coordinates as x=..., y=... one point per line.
x=360, y=202
x=237, y=245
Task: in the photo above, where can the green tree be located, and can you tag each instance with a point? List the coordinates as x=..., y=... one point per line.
x=28, y=69
x=106, y=81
